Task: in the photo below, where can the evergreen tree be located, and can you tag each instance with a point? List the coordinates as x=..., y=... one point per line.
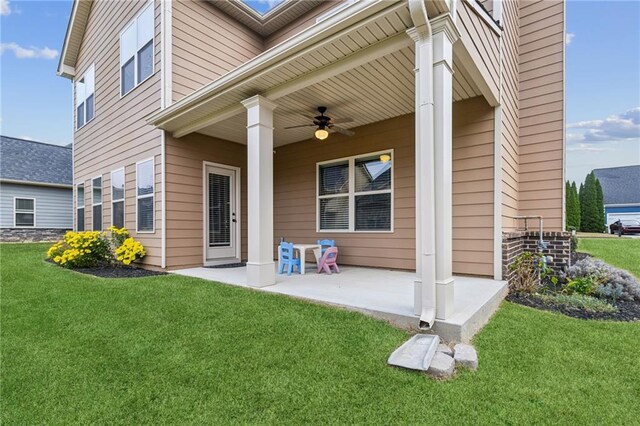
x=576, y=206
x=591, y=210
x=600, y=205
x=572, y=205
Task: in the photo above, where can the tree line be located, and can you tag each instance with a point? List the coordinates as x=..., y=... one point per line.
x=585, y=207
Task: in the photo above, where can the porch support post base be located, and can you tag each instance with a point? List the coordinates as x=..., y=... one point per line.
x=260, y=265
x=261, y=274
x=444, y=298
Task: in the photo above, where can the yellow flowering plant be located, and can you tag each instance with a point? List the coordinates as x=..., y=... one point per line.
x=80, y=249
x=95, y=248
x=130, y=251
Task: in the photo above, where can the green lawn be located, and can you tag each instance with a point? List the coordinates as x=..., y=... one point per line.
x=623, y=253
x=168, y=349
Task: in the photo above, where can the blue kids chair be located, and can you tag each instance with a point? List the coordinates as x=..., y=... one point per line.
x=287, y=258
x=325, y=244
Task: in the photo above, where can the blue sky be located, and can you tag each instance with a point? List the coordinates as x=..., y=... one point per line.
x=602, y=87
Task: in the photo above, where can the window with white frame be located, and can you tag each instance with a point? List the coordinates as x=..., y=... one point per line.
x=85, y=98
x=355, y=194
x=96, y=202
x=136, y=51
x=117, y=198
x=25, y=212
x=80, y=207
x=144, y=196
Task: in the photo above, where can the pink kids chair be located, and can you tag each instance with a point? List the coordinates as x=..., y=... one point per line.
x=328, y=260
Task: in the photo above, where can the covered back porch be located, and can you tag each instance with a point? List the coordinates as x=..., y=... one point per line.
x=391, y=68
x=381, y=293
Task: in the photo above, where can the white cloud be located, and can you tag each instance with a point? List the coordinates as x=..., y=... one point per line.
x=5, y=9
x=31, y=52
x=610, y=142
x=569, y=38
x=26, y=138
x=623, y=126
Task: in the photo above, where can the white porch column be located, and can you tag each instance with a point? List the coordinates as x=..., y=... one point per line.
x=425, y=294
x=260, y=265
x=444, y=35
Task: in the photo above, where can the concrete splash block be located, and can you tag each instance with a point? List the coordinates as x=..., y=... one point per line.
x=416, y=353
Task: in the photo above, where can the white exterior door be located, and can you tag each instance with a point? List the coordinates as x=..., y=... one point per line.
x=221, y=213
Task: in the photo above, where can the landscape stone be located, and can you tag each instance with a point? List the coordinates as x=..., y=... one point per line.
x=442, y=366
x=445, y=349
x=465, y=356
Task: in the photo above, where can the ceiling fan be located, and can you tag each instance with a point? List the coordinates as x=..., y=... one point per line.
x=326, y=125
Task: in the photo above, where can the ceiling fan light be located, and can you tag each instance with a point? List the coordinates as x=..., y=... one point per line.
x=321, y=134
x=385, y=158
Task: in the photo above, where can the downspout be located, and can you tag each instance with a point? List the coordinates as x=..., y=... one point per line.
x=425, y=151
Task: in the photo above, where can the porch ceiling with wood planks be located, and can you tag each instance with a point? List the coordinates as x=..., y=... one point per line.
x=372, y=92
x=360, y=65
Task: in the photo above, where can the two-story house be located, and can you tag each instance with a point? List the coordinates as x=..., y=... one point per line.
x=200, y=127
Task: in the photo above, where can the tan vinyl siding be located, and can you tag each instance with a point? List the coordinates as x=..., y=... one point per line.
x=303, y=22
x=542, y=111
x=473, y=151
x=184, y=179
x=207, y=44
x=481, y=41
x=510, y=115
x=118, y=135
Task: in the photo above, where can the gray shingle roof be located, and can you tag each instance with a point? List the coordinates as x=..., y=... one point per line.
x=30, y=161
x=620, y=185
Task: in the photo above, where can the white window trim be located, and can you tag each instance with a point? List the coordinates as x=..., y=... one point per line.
x=16, y=211
x=352, y=194
x=84, y=101
x=152, y=195
x=137, y=83
x=83, y=207
x=93, y=202
x=124, y=196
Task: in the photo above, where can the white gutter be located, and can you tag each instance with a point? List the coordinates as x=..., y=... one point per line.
x=425, y=155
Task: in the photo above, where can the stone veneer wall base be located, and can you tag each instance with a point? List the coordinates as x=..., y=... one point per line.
x=30, y=235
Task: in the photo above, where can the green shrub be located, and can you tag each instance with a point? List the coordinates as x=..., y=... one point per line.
x=529, y=270
x=584, y=286
x=576, y=301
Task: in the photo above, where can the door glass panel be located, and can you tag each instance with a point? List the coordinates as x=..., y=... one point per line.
x=219, y=210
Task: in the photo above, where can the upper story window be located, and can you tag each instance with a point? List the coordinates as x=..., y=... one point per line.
x=85, y=88
x=136, y=51
x=355, y=194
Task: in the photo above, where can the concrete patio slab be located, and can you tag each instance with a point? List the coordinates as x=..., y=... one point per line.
x=385, y=294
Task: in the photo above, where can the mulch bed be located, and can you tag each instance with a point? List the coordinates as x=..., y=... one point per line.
x=627, y=311
x=117, y=272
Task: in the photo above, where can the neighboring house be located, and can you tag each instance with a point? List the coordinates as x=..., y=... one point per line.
x=621, y=190
x=36, y=200
x=183, y=109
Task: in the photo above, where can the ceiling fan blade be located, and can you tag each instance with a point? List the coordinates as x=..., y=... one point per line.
x=302, y=125
x=345, y=132
x=342, y=120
